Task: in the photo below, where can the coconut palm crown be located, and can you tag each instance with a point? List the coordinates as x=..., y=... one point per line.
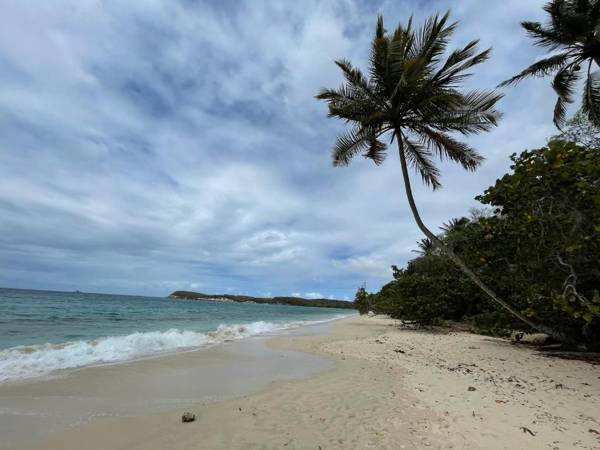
x=573, y=35
x=412, y=94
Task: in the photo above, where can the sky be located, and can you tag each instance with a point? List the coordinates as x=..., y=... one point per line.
x=156, y=145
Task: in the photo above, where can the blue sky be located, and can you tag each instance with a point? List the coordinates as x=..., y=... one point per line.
x=161, y=145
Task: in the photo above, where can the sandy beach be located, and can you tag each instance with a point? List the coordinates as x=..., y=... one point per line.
x=388, y=389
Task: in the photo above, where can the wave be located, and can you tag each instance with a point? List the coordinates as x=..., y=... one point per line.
x=38, y=360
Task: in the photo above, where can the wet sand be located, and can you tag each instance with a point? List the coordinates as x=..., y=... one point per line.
x=389, y=388
x=30, y=411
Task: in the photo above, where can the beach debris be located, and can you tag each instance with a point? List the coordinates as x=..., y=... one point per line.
x=591, y=430
x=378, y=341
x=471, y=388
x=516, y=337
x=534, y=339
x=399, y=350
x=188, y=417
x=527, y=430
x=370, y=314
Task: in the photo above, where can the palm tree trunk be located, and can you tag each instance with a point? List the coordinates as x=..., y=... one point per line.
x=457, y=260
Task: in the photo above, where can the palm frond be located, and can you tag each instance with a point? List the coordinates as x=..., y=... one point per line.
x=591, y=99
x=573, y=29
x=447, y=147
x=480, y=105
x=400, y=48
x=350, y=144
x=539, y=69
x=356, y=79
x=420, y=158
x=350, y=104
x=378, y=58
x=426, y=247
x=563, y=85
x=454, y=224
x=453, y=71
x=376, y=150
x=544, y=37
x=432, y=38
x=468, y=113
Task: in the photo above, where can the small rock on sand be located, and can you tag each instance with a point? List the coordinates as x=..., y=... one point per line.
x=188, y=417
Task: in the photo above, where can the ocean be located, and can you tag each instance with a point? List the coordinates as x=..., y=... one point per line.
x=45, y=331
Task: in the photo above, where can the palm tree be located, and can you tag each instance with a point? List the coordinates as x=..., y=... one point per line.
x=426, y=247
x=573, y=33
x=454, y=225
x=412, y=96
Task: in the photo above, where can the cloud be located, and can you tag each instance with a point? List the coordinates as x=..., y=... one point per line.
x=178, y=145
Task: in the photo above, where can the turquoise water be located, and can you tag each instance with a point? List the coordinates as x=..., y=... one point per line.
x=42, y=331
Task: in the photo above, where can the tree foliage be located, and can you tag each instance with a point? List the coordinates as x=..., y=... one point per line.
x=572, y=36
x=548, y=222
x=412, y=94
x=294, y=301
x=580, y=130
x=362, y=300
x=430, y=289
x=539, y=249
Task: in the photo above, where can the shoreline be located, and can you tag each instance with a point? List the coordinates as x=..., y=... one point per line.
x=155, y=385
x=223, y=334
x=386, y=388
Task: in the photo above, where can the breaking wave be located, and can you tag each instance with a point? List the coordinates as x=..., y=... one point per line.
x=37, y=360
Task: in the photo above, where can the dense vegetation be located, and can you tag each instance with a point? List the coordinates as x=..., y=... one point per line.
x=294, y=301
x=531, y=260
x=537, y=246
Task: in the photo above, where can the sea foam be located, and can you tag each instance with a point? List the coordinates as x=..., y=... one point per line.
x=38, y=360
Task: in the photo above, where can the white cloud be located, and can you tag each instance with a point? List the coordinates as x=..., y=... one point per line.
x=178, y=145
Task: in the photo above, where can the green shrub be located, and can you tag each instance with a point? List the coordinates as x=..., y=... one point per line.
x=539, y=250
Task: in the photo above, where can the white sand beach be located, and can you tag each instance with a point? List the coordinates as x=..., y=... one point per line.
x=389, y=389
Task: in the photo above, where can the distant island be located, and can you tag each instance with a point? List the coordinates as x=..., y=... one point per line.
x=294, y=301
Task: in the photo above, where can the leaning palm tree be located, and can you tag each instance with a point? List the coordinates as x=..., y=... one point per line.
x=412, y=96
x=573, y=34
